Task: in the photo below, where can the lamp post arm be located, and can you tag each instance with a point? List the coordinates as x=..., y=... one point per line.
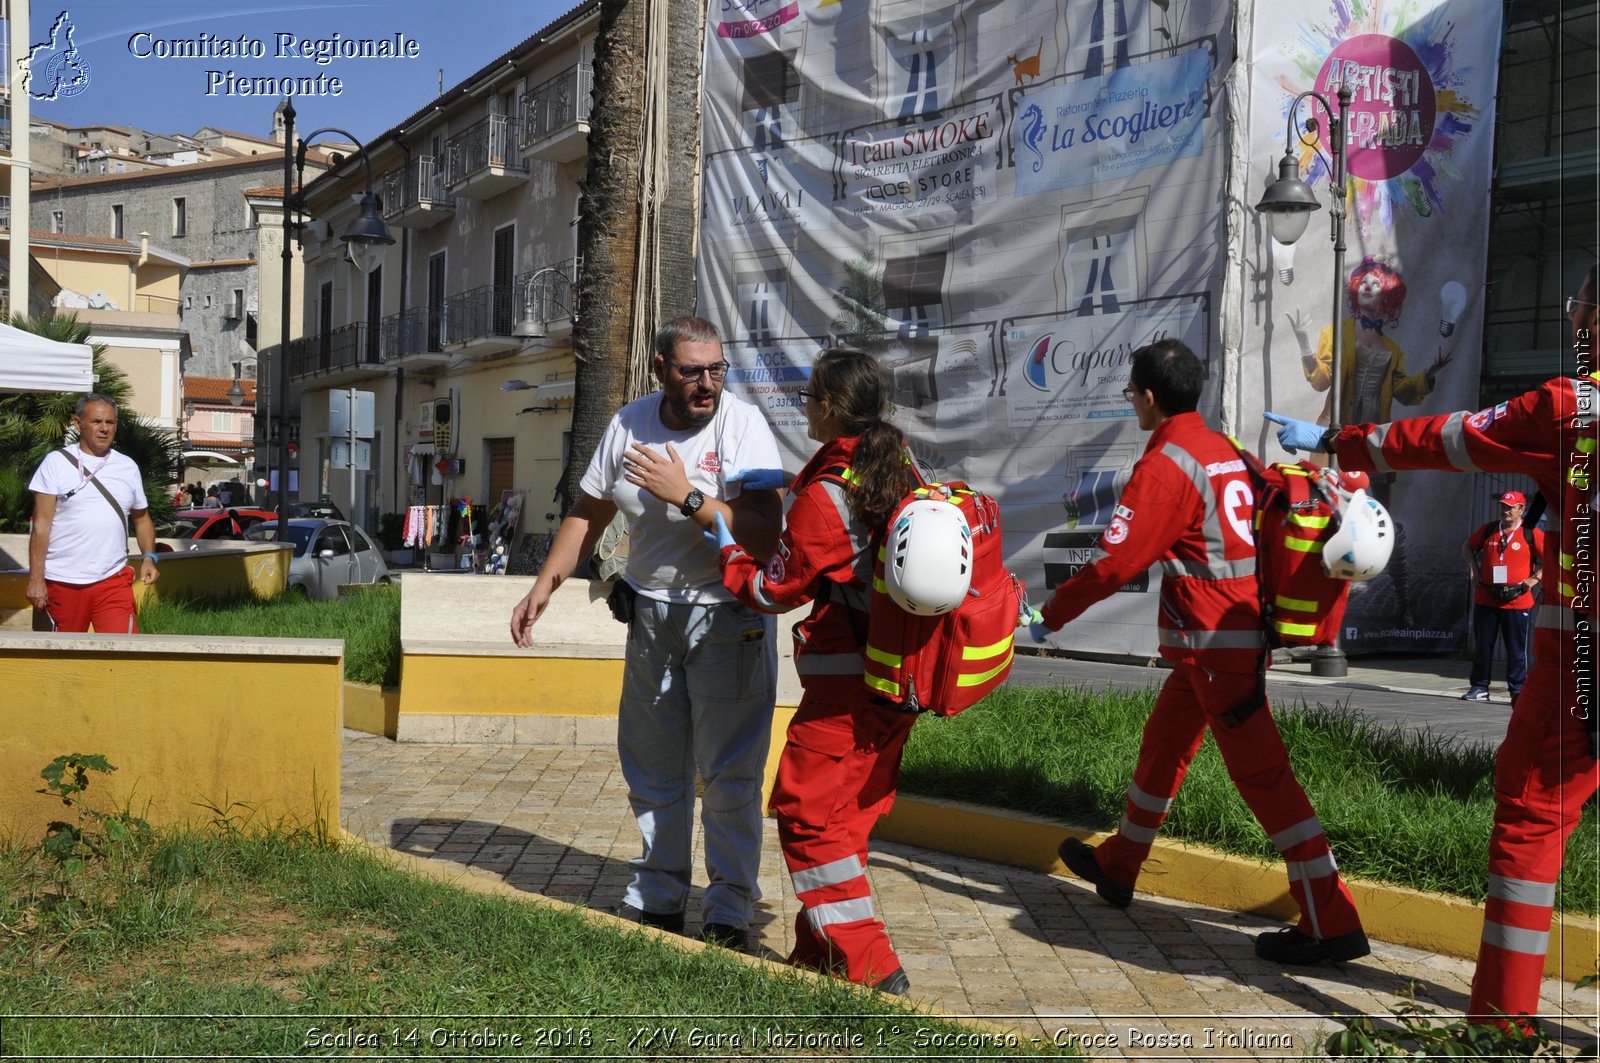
x=350, y=137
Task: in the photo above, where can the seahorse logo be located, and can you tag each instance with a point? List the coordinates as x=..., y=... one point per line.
x=61, y=68
x=1033, y=133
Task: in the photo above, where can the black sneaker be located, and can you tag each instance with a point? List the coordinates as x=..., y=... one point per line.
x=725, y=935
x=1292, y=947
x=1080, y=860
x=896, y=984
x=672, y=921
x=1475, y=695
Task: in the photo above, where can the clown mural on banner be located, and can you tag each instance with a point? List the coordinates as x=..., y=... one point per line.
x=1002, y=201
x=1418, y=139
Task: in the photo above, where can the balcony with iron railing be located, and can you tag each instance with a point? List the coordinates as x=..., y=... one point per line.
x=555, y=115
x=347, y=353
x=412, y=338
x=5, y=213
x=478, y=322
x=416, y=197
x=485, y=159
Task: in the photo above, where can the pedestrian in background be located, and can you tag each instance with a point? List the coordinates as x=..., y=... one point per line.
x=84, y=497
x=1507, y=560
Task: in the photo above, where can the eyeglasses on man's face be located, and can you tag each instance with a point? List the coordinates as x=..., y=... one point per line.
x=718, y=370
x=1129, y=392
x=1573, y=302
x=807, y=396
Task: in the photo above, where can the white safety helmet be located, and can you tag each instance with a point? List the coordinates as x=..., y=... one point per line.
x=927, y=561
x=1360, y=547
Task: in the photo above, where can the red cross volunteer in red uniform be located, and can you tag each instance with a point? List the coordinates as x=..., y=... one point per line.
x=1506, y=565
x=841, y=763
x=1188, y=504
x=1546, y=768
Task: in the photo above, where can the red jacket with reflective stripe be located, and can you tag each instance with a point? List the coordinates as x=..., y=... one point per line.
x=821, y=543
x=1547, y=433
x=1518, y=550
x=1188, y=504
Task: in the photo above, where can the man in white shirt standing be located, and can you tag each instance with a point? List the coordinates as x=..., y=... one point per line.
x=701, y=673
x=84, y=497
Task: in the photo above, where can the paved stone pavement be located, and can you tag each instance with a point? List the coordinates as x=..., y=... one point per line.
x=1017, y=948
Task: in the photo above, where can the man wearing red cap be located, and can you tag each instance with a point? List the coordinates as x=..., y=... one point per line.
x=1506, y=565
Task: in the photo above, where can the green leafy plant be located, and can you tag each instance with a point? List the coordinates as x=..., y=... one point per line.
x=71, y=844
x=1422, y=1033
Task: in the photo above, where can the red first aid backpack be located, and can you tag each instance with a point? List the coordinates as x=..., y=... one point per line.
x=1296, y=511
x=945, y=664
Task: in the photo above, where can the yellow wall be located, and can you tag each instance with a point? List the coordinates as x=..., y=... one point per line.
x=250, y=726
x=88, y=272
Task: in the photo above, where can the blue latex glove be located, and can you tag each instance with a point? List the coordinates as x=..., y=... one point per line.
x=759, y=479
x=720, y=537
x=1035, y=621
x=1296, y=435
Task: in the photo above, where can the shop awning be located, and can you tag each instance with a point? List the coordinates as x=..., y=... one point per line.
x=34, y=363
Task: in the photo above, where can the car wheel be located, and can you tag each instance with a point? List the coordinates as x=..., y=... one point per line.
x=384, y=581
x=296, y=592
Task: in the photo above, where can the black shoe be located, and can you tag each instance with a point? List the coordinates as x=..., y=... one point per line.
x=1080, y=860
x=1292, y=947
x=672, y=921
x=896, y=984
x=725, y=935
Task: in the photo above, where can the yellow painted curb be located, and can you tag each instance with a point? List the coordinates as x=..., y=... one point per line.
x=1195, y=873
x=371, y=709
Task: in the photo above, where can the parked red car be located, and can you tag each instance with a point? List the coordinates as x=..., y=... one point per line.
x=210, y=524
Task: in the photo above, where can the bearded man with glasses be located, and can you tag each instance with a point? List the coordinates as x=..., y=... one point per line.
x=701, y=674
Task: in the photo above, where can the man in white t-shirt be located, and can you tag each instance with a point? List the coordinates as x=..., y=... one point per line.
x=701, y=673
x=84, y=497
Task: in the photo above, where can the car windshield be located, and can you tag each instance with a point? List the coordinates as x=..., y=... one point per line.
x=182, y=528
x=267, y=532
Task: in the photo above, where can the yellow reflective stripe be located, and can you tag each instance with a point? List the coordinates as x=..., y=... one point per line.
x=979, y=678
x=979, y=653
x=1304, y=546
x=887, y=686
x=1285, y=628
x=1299, y=605
x=1307, y=520
x=1585, y=445
x=879, y=586
x=1566, y=590
x=1292, y=470
x=1567, y=560
x=890, y=659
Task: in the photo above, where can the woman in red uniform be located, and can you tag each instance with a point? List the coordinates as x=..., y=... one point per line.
x=841, y=763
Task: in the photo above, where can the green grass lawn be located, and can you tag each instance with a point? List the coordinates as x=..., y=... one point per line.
x=1401, y=808
x=368, y=622
x=204, y=945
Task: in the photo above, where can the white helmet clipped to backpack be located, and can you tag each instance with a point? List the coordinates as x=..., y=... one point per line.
x=927, y=562
x=1360, y=547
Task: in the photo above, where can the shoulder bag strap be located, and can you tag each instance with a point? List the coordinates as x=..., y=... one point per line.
x=99, y=487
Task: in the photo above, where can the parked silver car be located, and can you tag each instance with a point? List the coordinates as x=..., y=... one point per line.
x=327, y=555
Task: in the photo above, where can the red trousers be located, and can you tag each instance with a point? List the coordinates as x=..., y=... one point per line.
x=1544, y=773
x=1190, y=701
x=836, y=777
x=106, y=605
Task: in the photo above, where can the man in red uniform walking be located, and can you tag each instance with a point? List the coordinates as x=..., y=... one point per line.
x=1188, y=505
x=1546, y=769
x=1506, y=565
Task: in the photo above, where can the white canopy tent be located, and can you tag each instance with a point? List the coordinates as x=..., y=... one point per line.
x=34, y=363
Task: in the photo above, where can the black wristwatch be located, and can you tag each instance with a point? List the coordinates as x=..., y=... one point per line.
x=692, y=502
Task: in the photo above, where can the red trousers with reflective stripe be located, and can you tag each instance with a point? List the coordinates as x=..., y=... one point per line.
x=1543, y=775
x=1189, y=702
x=836, y=777
x=107, y=606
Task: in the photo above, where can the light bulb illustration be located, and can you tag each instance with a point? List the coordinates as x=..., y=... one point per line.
x=1282, y=260
x=1452, y=300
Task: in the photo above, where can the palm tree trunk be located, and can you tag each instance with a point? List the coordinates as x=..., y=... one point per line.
x=614, y=232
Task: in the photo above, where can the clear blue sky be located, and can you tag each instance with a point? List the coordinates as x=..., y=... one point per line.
x=176, y=95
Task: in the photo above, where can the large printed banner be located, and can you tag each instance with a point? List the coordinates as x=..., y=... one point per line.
x=1002, y=201
x=1418, y=139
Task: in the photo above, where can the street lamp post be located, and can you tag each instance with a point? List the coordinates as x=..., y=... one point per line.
x=1287, y=203
x=366, y=237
